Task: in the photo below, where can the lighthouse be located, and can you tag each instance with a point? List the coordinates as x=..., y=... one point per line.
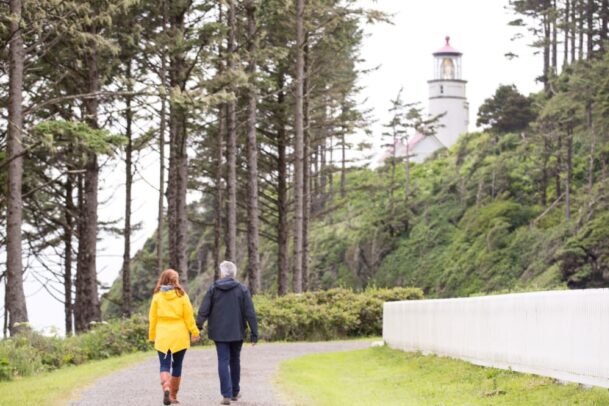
x=447, y=101
x=447, y=95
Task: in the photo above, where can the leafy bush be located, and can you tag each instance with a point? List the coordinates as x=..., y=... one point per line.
x=332, y=314
x=115, y=338
x=19, y=358
x=30, y=352
x=323, y=315
x=584, y=260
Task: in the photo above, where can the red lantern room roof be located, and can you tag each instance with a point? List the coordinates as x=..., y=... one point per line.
x=447, y=49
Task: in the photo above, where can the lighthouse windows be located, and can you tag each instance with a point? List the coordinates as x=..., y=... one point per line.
x=448, y=69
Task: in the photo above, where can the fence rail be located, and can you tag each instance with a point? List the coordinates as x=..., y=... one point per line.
x=560, y=334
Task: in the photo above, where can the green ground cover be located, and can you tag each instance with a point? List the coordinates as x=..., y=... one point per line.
x=311, y=316
x=381, y=376
x=56, y=387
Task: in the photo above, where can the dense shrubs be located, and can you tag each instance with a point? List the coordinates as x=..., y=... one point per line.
x=31, y=352
x=332, y=314
x=323, y=315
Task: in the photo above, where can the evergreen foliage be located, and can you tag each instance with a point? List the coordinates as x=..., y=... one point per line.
x=481, y=217
x=507, y=111
x=254, y=103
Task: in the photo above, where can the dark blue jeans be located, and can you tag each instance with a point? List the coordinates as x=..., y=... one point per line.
x=172, y=362
x=229, y=367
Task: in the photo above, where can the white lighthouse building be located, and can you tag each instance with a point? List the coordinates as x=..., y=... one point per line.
x=446, y=98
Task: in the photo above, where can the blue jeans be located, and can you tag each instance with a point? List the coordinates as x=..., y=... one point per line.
x=229, y=367
x=172, y=362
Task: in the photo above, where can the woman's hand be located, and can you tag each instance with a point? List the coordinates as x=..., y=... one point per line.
x=195, y=339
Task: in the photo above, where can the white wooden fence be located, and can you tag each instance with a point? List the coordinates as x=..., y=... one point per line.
x=560, y=334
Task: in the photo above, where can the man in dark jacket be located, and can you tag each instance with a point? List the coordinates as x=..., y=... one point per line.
x=228, y=306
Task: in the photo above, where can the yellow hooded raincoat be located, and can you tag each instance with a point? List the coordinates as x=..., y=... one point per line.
x=171, y=322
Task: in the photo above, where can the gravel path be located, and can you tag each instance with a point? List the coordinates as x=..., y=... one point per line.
x=139, y=385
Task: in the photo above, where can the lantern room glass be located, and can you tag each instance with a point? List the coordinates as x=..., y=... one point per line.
x=447, y=67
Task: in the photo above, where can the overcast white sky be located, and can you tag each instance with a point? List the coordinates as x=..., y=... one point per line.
x=478, y=28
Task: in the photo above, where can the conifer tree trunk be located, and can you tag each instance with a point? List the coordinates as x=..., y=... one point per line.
x=554, y=37
x=306, y=217
x=6, y=314
x=219, y=201
x=252, y=156
x=479, y=192
x=393, y=168
x=231, y=145
x=282, y=197
x=87, y=299
x=569, y=172
x=316, y=147
x=15, y=297
x=566, y=22
x=160, y=217
x=323, y=168
x=162, y=132
x=544, y=172
x=126, y=269
x=546, y=51
x=580, y=29
x=330, y=146
x=407, y=169
x=178, y=156
x=306, y=175
x=558, y=166
x=298, y=149
x=219, y=157
x=69, y=211
x=604, y=28
x=573, y=30
x=343, y=164
x=592, y=130
x=79, y=319
x=590, y=28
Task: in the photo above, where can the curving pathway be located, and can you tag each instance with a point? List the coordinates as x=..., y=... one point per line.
x=139, y=385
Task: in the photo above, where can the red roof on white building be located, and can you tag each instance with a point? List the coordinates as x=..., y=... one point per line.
x=413, y=142
x=402, y=149
x=447, y=49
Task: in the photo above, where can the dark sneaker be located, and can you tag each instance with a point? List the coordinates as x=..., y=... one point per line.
x=236, y=397
x=225, y=401
x=166, y=400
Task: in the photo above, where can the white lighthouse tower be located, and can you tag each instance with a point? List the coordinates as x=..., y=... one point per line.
x=447, y=95
x=446, y=99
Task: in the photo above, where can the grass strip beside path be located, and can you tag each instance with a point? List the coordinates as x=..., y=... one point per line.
x=381, y=376
x=56, y=387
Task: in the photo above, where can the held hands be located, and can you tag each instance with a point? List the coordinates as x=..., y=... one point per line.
x=195, y=339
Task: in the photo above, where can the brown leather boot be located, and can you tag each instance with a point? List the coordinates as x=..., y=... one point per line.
x=175, y=387
x=166, y=384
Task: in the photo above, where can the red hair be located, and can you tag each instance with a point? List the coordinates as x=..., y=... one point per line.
x=169, y=277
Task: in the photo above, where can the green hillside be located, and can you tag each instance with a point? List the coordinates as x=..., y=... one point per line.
x=488, y=215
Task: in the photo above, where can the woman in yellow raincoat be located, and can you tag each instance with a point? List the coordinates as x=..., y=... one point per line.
x=172, y=325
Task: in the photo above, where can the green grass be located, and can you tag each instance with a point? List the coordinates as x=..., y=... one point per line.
x=381, y=376
x=55, y=388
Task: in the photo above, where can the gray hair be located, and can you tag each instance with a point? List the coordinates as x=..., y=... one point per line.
x=228, y=269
